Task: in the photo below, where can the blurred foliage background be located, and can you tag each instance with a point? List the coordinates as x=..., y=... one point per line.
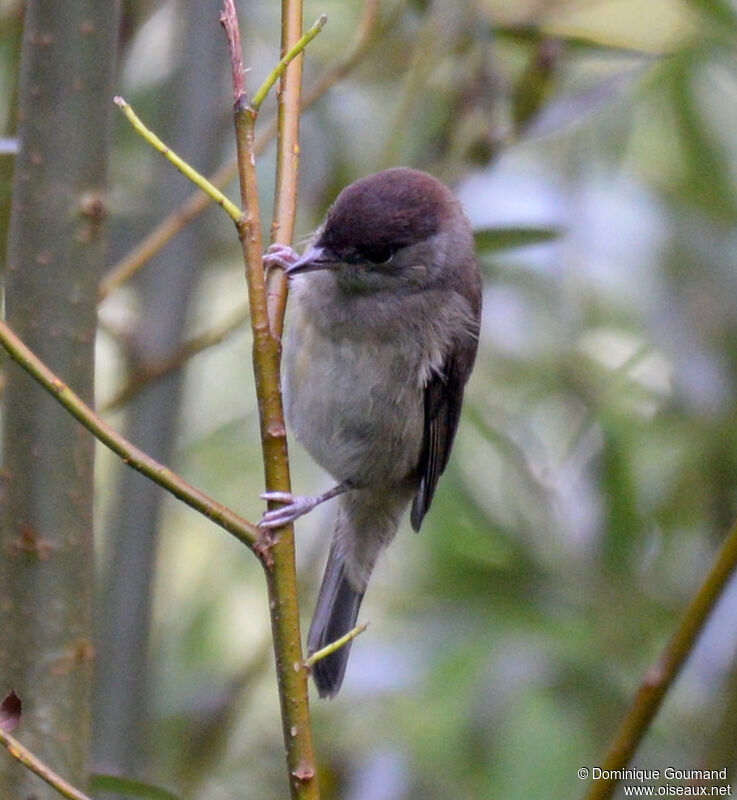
x=595, y=471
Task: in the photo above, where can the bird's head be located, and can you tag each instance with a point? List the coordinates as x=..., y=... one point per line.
x=389, y=230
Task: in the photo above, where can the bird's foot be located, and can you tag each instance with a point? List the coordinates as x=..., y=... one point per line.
x=280, y=255
x=295, y=507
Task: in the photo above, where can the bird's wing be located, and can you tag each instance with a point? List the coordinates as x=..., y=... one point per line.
x=443, y=401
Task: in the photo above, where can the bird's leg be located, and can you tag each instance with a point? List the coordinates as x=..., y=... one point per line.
x=280, y=255
x=296, y=506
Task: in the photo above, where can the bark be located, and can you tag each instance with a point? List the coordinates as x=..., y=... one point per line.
x=55, y=255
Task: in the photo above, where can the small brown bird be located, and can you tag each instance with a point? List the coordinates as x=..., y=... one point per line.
x=385, y=316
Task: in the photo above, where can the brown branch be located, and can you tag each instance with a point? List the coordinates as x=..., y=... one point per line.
x=25, y=757
x=277, y=555
x=663, y=673
x=243, y=530
x=287, y=164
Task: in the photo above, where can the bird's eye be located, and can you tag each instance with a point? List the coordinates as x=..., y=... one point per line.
x=379, y=255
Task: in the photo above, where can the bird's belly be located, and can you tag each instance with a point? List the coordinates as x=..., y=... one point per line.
x=357, y=407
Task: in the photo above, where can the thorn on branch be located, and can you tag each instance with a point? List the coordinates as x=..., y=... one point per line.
x=262, y=548
x=304, y=773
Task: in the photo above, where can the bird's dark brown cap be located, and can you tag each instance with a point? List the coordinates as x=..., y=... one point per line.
x=388, y=210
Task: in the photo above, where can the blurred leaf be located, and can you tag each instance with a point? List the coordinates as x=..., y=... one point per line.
x=453, y=712
x=719, y=13
x=492, y=240
x=513, y=456
x=130, y=788
x=10, y=710
x=704, y=177
x=535, y=34
x=536, y=83
x=619, y=489
x=573, y=106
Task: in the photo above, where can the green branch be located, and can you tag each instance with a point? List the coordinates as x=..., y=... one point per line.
x=664, y=671
x=199, y=180
x=281, y=67
x=329, y=649
x=243, y=530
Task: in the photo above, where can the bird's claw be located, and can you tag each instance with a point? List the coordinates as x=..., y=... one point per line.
x=280, y=255
x=295, y=507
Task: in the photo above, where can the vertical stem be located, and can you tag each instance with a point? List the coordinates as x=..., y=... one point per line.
x=287, y=159
x=277, y=556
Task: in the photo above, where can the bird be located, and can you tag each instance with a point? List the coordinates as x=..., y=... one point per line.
x=383, y=328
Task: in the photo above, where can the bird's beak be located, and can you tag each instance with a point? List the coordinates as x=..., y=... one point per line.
x=313, y=259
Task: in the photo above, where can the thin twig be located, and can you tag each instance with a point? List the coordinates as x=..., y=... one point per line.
x=243, y=530
x=661, y=675
x=150, y=371
x=151, y=244
x=197, y=202
x=199, y=180
x=23, y=755
x=281, y=67
x=329, y=649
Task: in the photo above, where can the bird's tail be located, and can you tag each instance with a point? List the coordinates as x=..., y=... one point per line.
x=364, y=526
x=335, y=614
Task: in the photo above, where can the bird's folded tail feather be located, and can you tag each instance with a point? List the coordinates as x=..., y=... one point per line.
x=336, y=613
x=365, y=524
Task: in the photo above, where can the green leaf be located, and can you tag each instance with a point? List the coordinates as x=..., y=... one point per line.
x=533, y=34
x=718, y=12
x=492, y=240
x=536, y=84
x=131, y=788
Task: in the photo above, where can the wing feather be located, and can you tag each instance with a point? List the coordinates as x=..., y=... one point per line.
x=443, y=399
